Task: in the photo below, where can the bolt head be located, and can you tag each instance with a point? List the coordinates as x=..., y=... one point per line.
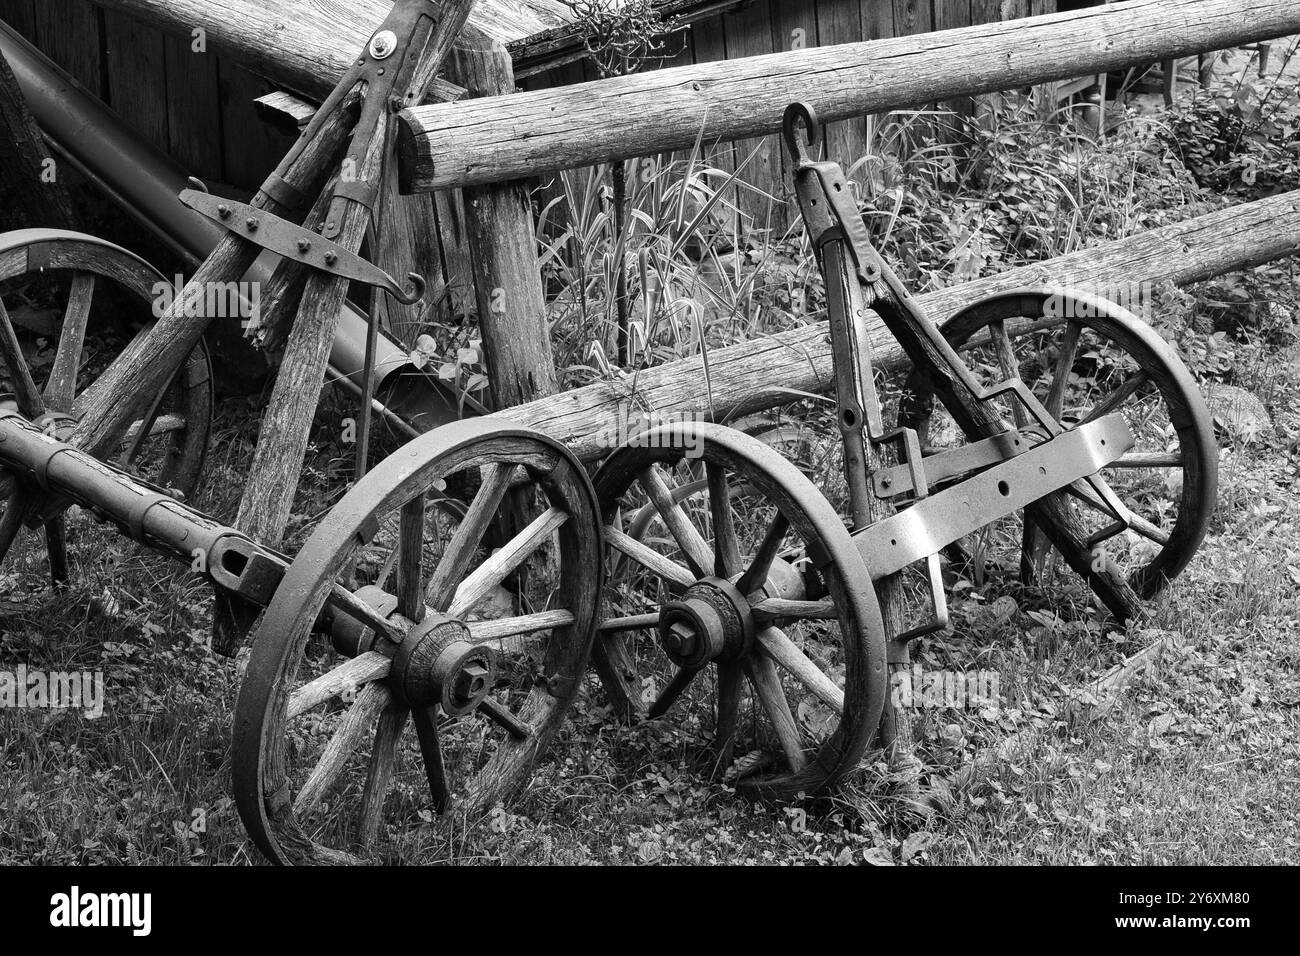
x=303, y=245
x=251, y=223
x=223, y=211
x=470, y=681
x=680, y=639
x=382, y=44
x=331, y=258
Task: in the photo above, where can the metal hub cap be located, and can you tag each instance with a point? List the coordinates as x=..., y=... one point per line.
x=710, y=621
x=437, y=664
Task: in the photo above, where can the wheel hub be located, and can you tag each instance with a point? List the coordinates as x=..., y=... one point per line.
x=710, y=621
x=437, y=664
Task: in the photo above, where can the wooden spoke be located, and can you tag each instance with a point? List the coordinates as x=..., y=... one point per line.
x=1055, y=402
x=483, y=631
x=726, y=547
x=1148, y=459
x=410, y=562
x=460, y=550
x=1141, y=525
x=162, y=425
x=30, y=401
x=15, y=516
x=501, y=715
x=770, y=609
x=61, y=386
x=648, y=558
x=695, y=549
x=771, y=695
x=485, y=578
x=351, y=674
x=383, y=757
x=56, y=545
x=145, y=430
x=1117, y=397
x=1033, y=543
x=1008, y=365
x=778, y=646
x=676, y=687
x=755, y=575
x=347, y=602
x=426, y=730
x=374, y=697
x=633, y=622
x=730, y=676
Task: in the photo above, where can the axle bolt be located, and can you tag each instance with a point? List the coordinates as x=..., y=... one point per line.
x=470, y=682
x=680, y=640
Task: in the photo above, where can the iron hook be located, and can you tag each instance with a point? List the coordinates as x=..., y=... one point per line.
x=794, y=113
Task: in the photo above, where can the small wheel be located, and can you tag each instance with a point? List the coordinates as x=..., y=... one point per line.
x=323, y=770
x=59, y=285
x=752, y=619
x=1085, y=357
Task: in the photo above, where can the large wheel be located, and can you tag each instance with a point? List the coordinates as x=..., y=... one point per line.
x=56, y=286
x=752, y=619
x=1085, y=357
x=323, y=769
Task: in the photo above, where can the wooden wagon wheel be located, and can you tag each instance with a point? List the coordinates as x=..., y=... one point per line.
x=77, y=283
x=727, y=621
x=1084, y=357
x=486, y=694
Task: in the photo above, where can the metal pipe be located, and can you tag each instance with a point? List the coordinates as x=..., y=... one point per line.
x=145, y=182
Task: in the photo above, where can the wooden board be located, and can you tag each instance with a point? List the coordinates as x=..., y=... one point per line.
x=194, y=109
x=251, y=147
x=135, y=66
x=749, y=33
x=69, y=33
x=840, y=21
x=21, y=15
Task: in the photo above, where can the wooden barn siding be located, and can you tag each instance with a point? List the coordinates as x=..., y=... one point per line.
x=199, y=107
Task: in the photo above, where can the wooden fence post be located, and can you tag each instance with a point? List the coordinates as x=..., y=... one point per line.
x=503, y=249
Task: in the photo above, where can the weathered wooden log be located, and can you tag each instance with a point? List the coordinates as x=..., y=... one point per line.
x=767, y=372
x=308, y=44
x=503, y=251
x=516, y=136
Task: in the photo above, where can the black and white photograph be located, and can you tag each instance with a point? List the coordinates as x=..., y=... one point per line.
x=697, y=433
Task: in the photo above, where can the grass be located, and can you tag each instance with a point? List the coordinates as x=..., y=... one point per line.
x=1197, y=764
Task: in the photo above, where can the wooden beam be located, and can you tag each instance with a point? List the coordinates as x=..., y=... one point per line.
x=503, y=247
x=513, y=137
x=760, y=374
x=306, y=46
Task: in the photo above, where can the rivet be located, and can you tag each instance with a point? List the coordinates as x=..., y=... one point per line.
x=251, y=223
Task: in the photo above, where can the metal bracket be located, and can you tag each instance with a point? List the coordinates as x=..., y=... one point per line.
x=929, y=526
x=298, y=244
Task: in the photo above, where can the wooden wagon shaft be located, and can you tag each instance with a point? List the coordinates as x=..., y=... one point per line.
x=772, y=370
x=511, y=137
